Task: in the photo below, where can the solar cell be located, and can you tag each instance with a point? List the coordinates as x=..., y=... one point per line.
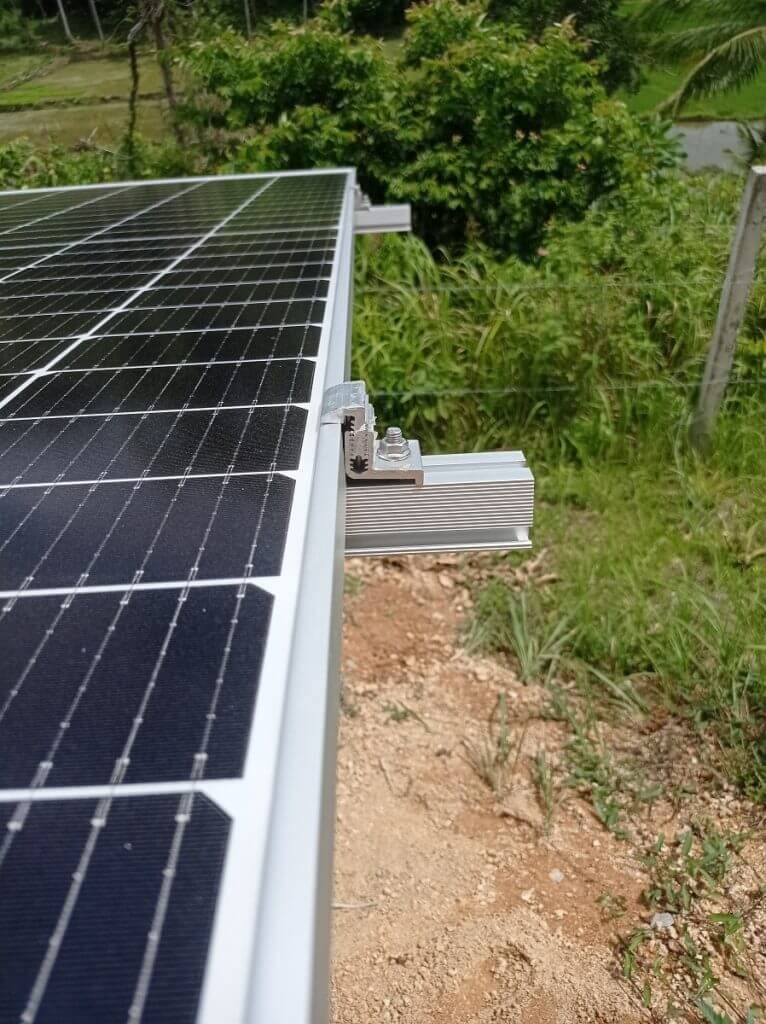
x=71, y=393
x=30, y=355
x=220, y=345
x=163, y=354
x=155, y=655
x=146, y=445
x=150, y=531
x=114, y=921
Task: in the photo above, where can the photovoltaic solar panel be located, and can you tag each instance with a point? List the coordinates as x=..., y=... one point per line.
x=162, y=356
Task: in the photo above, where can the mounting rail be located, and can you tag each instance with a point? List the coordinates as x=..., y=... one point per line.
x=399, y=501
x=374, y=220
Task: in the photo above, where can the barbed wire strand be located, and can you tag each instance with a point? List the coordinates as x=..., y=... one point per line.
x=556, y=389
x=389, y=288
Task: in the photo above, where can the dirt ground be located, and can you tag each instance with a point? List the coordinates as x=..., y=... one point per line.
x=457, y=903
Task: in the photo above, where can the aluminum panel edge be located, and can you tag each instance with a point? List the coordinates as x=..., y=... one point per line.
x=290, y=966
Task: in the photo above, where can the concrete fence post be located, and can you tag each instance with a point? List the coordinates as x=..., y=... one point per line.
x=731, y=312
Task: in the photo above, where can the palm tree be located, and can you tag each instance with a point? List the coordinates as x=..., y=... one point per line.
x=64, y=21
x=727, y=43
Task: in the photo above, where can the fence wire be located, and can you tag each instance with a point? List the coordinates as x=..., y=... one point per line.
x=413, y=393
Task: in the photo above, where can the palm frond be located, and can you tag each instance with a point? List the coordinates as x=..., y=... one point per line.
x=729, y=66
x=658, y=14
x=694, y=42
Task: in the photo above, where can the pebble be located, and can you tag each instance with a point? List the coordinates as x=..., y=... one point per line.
x=662, y=922
x=556, y=876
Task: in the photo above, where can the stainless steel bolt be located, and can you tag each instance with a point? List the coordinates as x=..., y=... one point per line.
x=394, y=447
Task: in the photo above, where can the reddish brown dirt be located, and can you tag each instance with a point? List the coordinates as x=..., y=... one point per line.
x=455, y=904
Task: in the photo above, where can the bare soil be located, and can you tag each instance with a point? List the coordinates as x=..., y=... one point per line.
x=456, y=902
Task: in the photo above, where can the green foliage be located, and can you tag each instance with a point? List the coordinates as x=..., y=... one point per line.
x=602, y=340
x=610, y=37
x=692, y=867
x=373, y=16
x=307, y=135
x=17, y=30
x=725, y=39
x=257, y=82
x=434, y=27
x=654, y=596
x=504, y=623
x=509, y=133
x=23, y=165
x=487, y=134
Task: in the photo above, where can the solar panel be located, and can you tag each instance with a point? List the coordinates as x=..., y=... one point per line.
x=164, y=349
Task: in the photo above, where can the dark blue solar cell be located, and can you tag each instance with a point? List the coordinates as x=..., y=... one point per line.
x=135, y=390
x=271, y=314
x=93, y=973
x=20, y=356
x=59, y=325
x=162, y=530
x=161, y=444
x=227, y=345
x=80, y=675
x=9, y=384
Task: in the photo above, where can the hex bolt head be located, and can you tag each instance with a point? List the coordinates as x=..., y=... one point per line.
x=394, y=447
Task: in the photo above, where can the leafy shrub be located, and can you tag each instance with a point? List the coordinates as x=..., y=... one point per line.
x=259, y=81
x=23, y=165
x=306, y=135
x=373, y=16
x=434, y=27
x=486, y=133
x=17, y=31
x=509, y=132
x=609, y=35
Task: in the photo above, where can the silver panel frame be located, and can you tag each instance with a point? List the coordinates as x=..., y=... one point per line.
x=291, y=954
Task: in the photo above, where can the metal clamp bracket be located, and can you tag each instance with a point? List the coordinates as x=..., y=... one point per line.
x=367, y=457
x=398, y=501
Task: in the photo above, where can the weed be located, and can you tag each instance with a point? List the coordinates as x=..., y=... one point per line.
x=490, y=757
x=693, y=866
x=631, y=946
x=612, y=906
x=730, y=939
x=592, y=773
x=508, y=623
x=398, y=712
x=713, y=1016
x=543, y=777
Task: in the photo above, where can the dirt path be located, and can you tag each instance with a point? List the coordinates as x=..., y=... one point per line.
x=456, y=903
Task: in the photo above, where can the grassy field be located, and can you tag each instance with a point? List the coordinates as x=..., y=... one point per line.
x=73, y=81
x=54, y=99
x=744, y=105
x=101, y=123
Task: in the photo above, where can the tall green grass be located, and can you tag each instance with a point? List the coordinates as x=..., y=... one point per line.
x=600, y=342
x=590, y=361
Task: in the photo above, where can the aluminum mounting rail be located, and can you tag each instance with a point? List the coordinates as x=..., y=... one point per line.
x=465, y=503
